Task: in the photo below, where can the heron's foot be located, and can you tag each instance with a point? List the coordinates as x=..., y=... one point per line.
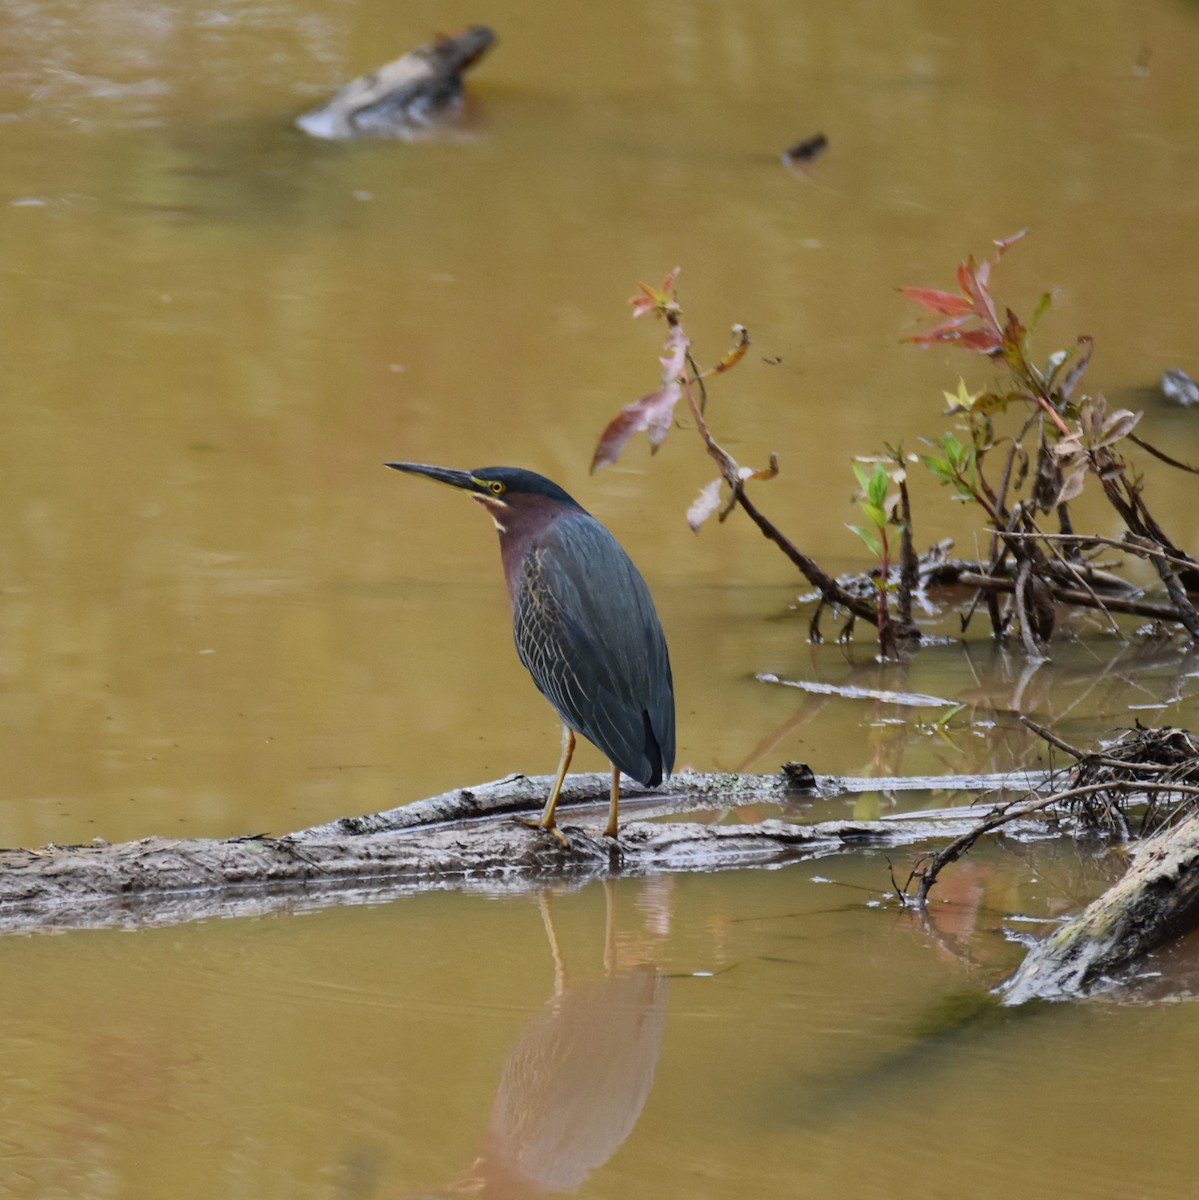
x=552, y=828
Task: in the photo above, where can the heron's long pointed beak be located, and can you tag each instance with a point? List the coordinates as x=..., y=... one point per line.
x=462, y=480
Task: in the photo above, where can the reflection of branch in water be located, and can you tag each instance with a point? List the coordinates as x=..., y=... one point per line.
x=574, y=1085
x=1146, y=673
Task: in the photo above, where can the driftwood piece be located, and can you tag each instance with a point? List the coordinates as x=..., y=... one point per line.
x=1179, y=388
x=461, y=839
x=687, y=791
x=1155, y=901
x=404, y=97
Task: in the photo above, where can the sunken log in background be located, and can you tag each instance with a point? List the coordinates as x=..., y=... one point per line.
x=403, y=98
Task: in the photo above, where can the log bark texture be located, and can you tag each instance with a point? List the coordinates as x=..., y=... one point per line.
x=460, y=839
x=1154, y=902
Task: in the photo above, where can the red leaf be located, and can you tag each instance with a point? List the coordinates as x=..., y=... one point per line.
x=949, y=303
x=973, y=278
x=983, y=341
x=651, y=415
x=975, y=303
x=945, y=332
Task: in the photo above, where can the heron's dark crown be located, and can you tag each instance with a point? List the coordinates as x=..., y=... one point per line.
x=495, y=487
x=519, y=482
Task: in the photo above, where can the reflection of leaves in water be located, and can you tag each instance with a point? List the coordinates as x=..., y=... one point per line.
x=1091, y=685
x=574, y=1085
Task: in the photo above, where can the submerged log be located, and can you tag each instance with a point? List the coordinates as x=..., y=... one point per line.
x=1155, y=901
x=1148, y=781
x=462, y=839
x=404, y=97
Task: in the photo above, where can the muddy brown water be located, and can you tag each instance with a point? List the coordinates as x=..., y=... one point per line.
x=220, y=615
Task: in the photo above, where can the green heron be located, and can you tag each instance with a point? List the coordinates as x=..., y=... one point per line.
x=585, y=626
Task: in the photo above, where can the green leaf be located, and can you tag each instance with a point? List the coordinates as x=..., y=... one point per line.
x=948, y=716
x=963, y=399
x=939, y=466
x=872, y=543
x=1043, y=306
x=874, y=513
x=879, y=481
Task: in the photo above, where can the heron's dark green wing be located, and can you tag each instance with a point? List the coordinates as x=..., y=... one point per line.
x=587, y=630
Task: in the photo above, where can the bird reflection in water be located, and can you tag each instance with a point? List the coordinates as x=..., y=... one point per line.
x=574, y=1085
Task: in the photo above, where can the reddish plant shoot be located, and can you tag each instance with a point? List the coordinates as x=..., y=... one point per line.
x=973, y=304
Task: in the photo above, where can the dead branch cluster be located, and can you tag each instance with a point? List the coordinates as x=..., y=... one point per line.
x=1143, y=782
x=1019, y=451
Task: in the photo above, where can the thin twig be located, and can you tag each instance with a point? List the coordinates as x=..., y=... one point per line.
x=814, y=574
x=1135, y=546
x=909, y=564
x=1159, y=454
x=1072, y=570
x=1052, y=738
x=1136, y=608
x=1004, y=814
x=1033, y=646
x=1001, y=814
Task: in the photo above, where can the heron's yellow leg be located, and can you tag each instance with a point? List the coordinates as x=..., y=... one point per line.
x=546, y=820
x=610, y=829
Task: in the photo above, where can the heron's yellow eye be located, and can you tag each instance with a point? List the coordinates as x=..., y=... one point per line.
x=497, y=488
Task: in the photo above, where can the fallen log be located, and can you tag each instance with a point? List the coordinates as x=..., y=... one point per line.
x=461, y=839
x=1154, y=902
x=685, y=792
